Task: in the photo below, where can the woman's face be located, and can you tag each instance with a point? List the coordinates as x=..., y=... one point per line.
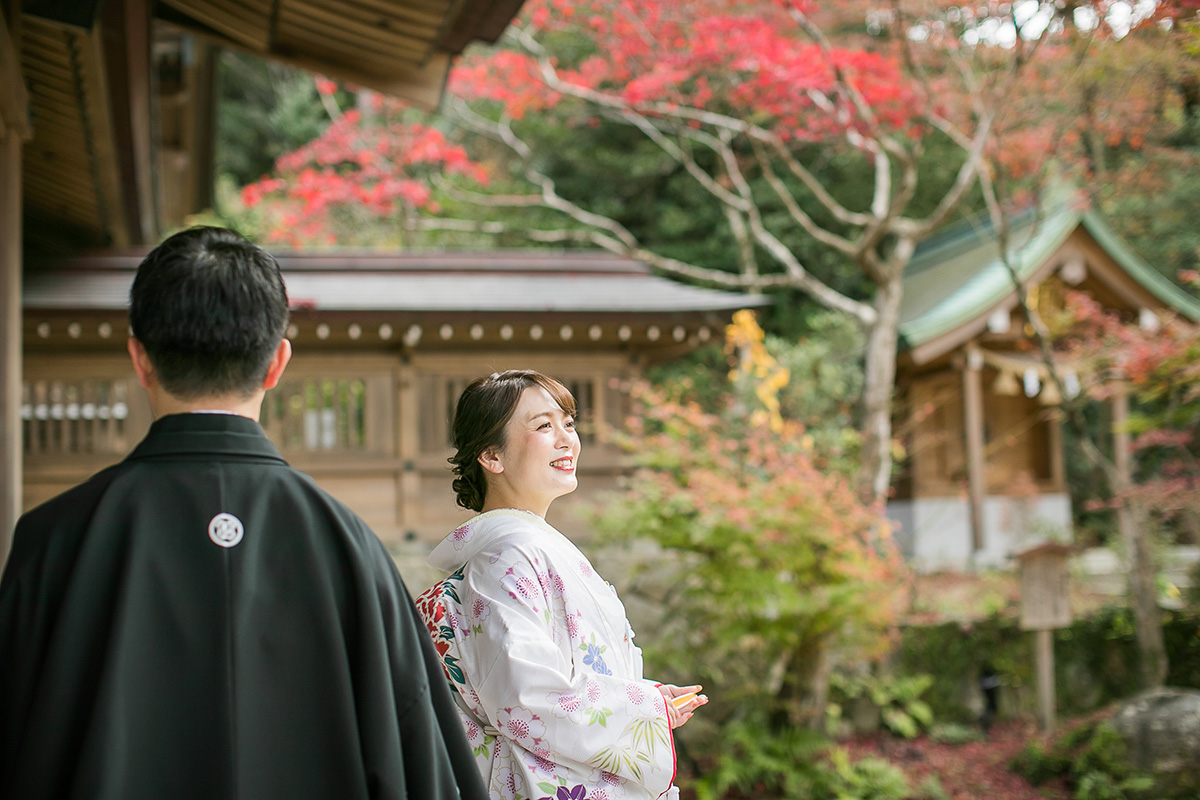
x=537, y=461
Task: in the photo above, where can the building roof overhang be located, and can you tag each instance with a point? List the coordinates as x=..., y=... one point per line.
x=957, y=279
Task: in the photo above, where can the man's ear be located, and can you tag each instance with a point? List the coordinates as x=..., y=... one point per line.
x=141, y=364
x=490, y=460
x=279, y=361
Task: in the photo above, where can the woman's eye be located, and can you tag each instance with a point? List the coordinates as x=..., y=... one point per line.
x=570, y=423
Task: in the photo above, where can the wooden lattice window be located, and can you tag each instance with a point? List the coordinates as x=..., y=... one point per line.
x=84, y=416
x=349, y=414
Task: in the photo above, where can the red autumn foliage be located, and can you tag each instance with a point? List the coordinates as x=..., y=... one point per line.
x=379, y=162
x=1159, y=365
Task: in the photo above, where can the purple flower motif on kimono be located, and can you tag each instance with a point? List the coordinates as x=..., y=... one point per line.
x=595, y=660
x=569, y=793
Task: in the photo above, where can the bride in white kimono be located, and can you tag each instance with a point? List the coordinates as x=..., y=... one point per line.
x=534, y=642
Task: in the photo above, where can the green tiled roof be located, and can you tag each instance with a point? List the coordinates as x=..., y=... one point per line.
x=957, y=275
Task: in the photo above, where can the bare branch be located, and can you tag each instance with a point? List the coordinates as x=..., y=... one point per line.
x=796, y=212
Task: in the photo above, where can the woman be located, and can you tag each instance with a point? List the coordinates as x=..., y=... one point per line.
x=536, y=645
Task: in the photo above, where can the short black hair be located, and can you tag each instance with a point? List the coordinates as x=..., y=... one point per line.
x=210, y=308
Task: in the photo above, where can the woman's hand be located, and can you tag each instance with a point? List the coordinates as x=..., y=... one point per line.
x=682, y=702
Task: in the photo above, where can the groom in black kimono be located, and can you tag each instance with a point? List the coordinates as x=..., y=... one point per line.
x=201, y=620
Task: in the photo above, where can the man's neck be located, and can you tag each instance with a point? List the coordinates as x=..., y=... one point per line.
x=163, y=404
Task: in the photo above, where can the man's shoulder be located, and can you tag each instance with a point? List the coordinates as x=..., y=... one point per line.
x=76, y=501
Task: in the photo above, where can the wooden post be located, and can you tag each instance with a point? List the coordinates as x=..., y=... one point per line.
x=1044, y=664
x=973, y=421
x=14, y=126
x=1045, y=606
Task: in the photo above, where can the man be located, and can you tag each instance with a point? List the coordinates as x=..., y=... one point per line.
x=201, y=620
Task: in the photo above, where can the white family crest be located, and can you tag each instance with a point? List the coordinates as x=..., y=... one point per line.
x=225, y=530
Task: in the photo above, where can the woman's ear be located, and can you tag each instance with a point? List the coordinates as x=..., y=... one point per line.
x=490, y=460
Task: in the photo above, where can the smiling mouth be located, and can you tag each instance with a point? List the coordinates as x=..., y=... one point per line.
x=564, y=463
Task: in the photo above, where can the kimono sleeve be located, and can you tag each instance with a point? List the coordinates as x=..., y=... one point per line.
x=542, y=697
x=437, y=760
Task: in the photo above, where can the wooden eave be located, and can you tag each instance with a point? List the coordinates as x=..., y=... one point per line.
x=14, y=98
x=1088, y=242
x=89, y=172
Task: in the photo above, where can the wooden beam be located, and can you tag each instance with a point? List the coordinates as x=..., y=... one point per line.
x=14, y=128
x=10, y=336
x=973, y=422
x=14, y=99
x=124, y=28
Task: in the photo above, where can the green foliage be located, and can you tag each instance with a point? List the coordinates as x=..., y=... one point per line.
x=266, y=110
x=766, y=563
x=898, y=699
x=1092, y=759
x=781, y=764
x=1095, y=660
x=954, y=733
x=866, y=779
x=825, y=378
x=1192, y=594
x=793, y=763
x=930, y=789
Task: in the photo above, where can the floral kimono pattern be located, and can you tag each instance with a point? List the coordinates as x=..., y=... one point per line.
x=541, y=659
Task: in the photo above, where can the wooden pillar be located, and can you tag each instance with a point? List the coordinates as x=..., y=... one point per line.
x=1044, y=664
x=973, y=421
x=14, y=127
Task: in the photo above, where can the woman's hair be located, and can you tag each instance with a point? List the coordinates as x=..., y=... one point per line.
x=484, y=408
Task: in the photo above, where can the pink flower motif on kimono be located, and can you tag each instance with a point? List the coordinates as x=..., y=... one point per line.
x=635, y=693
x=594, y=692
x=610, y=784
x=573, y=624
x=585, y=568
x=454, y=621
x=480, y=609
x=474, y=731
x=460, y=536
x=540, y=764
x=565, y=705
x=521, y=588
x=507, y=781
x=521, y=725
x=560, y=585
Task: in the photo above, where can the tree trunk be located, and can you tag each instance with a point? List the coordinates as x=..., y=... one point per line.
x=879, y=384
x=1134, y=524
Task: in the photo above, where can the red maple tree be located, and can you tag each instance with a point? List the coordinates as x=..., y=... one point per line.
x=736, y=94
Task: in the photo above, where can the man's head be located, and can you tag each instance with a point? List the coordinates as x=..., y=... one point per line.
x=209, y=309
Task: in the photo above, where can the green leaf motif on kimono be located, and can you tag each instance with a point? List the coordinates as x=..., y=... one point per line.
x=448, y=589
x=599, y=715
x=447, y=632
x=647, y=734
x=453, y=669
x=548, y=788
x=619, y=761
